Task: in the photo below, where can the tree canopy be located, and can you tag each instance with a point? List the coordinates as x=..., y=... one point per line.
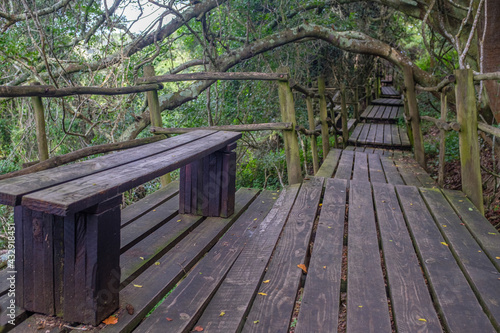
x=70, y=43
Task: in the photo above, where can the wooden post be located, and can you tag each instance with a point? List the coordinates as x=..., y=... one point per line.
x=155, y=114
x=469, y=145
x=418, y=139
x=287, y=109
x=343, y=110
x=356, y=103
x=442, y=138
x=323, y=114
x=368, y=91
x=314, y=144
x=407, y=118
x=41, y=137
x=377, y=86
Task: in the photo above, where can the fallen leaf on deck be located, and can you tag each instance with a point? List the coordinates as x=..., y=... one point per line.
x=169, y=319
x=256, y=322
x=142, y=258
x=137, y=286
x=324, y=267
x=360, y=306
x=198, y=329
x=267, y=281
x=444, y=225
x=157, y=263
x=422, y=319
x=491, y=233
x=263, y=294
x=130, y=309
x=444, y=243
x=222, y=313
x=179, y=220
x=320, y=205
x=470, y=209
x=111, y=320
x=498, y=258
x=302, y=267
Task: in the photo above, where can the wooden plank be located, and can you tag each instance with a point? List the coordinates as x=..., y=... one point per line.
x=406, y=171
x=459, y=308
x=370, y=139
x=375, y=169
x=351, y=123
x=405, y=141
x=484, y=233
x=330, y=163
x=90, y=190
x=273, y=311
x=396, y=139
x=144, y=292
x=477, y=267
x=12, y=189
x=185, y=304
x=240, y=286
x=391, y=172
x=355, y=134
x=228, y=184
x=344, y=169
x=350, y=148
x=11, y=314
x=143, y=206
x=387, y=135
x=139, y=257
x=215, y=173
x=410, y=299
x=360, y=170
x=367, y=111
x=367, y=307
x=380, y=112
x=364, y=134
x=379, y=137
x=320, y=301
x=141, y=228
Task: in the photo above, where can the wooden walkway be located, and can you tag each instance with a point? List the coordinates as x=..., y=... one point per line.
x=381, y=255
x=375, y=134
x=388, y=101
x=382, y=113
x=389, y=92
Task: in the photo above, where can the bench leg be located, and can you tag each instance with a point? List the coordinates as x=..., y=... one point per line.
x=208, y=186
x=69, y=266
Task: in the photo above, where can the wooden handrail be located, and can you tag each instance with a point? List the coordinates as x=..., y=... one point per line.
x=444, y=125
x=489, y=129
x=215, y=76
x=51, y=91
x=233, y=128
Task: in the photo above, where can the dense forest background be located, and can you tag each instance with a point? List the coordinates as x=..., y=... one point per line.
x=107, y=43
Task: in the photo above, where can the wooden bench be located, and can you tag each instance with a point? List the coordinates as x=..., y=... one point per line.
x=68, y=219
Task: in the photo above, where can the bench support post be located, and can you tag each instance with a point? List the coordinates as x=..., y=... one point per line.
x=208, y=186
x=69, y=266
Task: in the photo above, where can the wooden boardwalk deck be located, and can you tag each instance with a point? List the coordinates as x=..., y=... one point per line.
x=382, y=113
x=389, y=92
x=381, y=254
x=376, y=134
x=388, y=101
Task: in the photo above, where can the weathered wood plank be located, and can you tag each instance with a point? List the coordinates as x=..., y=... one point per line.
x=387, y=135
x=367, y=111
x=344, y=170
x=370, y=138
x=12, y=189
x=144, y=292
x=477, y=267
x=459, y=307
x=360, y=170
x=396, y=139
x=141, y=228
x=410, y=299
x=90, y=190
x=364, y=134
x=330, y=163
x=375, y=169
x=273, y=311
x=406, y=171
x=185, y=304
x=355, y=134
x=390, y=171
x=320, y=305
x=379, y=137
x=367, y=308
x=240, y=286
x=143, y=206
x=405, y=141
x=484, y=233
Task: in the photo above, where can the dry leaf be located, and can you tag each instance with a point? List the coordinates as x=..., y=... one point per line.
x=179, y=220
x=267, y=281
x=157, y=263
x=222, y=313
x=491, y=233
x=498, y=258
x=360, y=306
x=169, y=319
x=198, y=329
x=444, y=243
x=256, y=322
x=111, y=320
x=137, y=286
x=130, y=309
x=263, y=294
x=422, y=319
x=303, y=267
